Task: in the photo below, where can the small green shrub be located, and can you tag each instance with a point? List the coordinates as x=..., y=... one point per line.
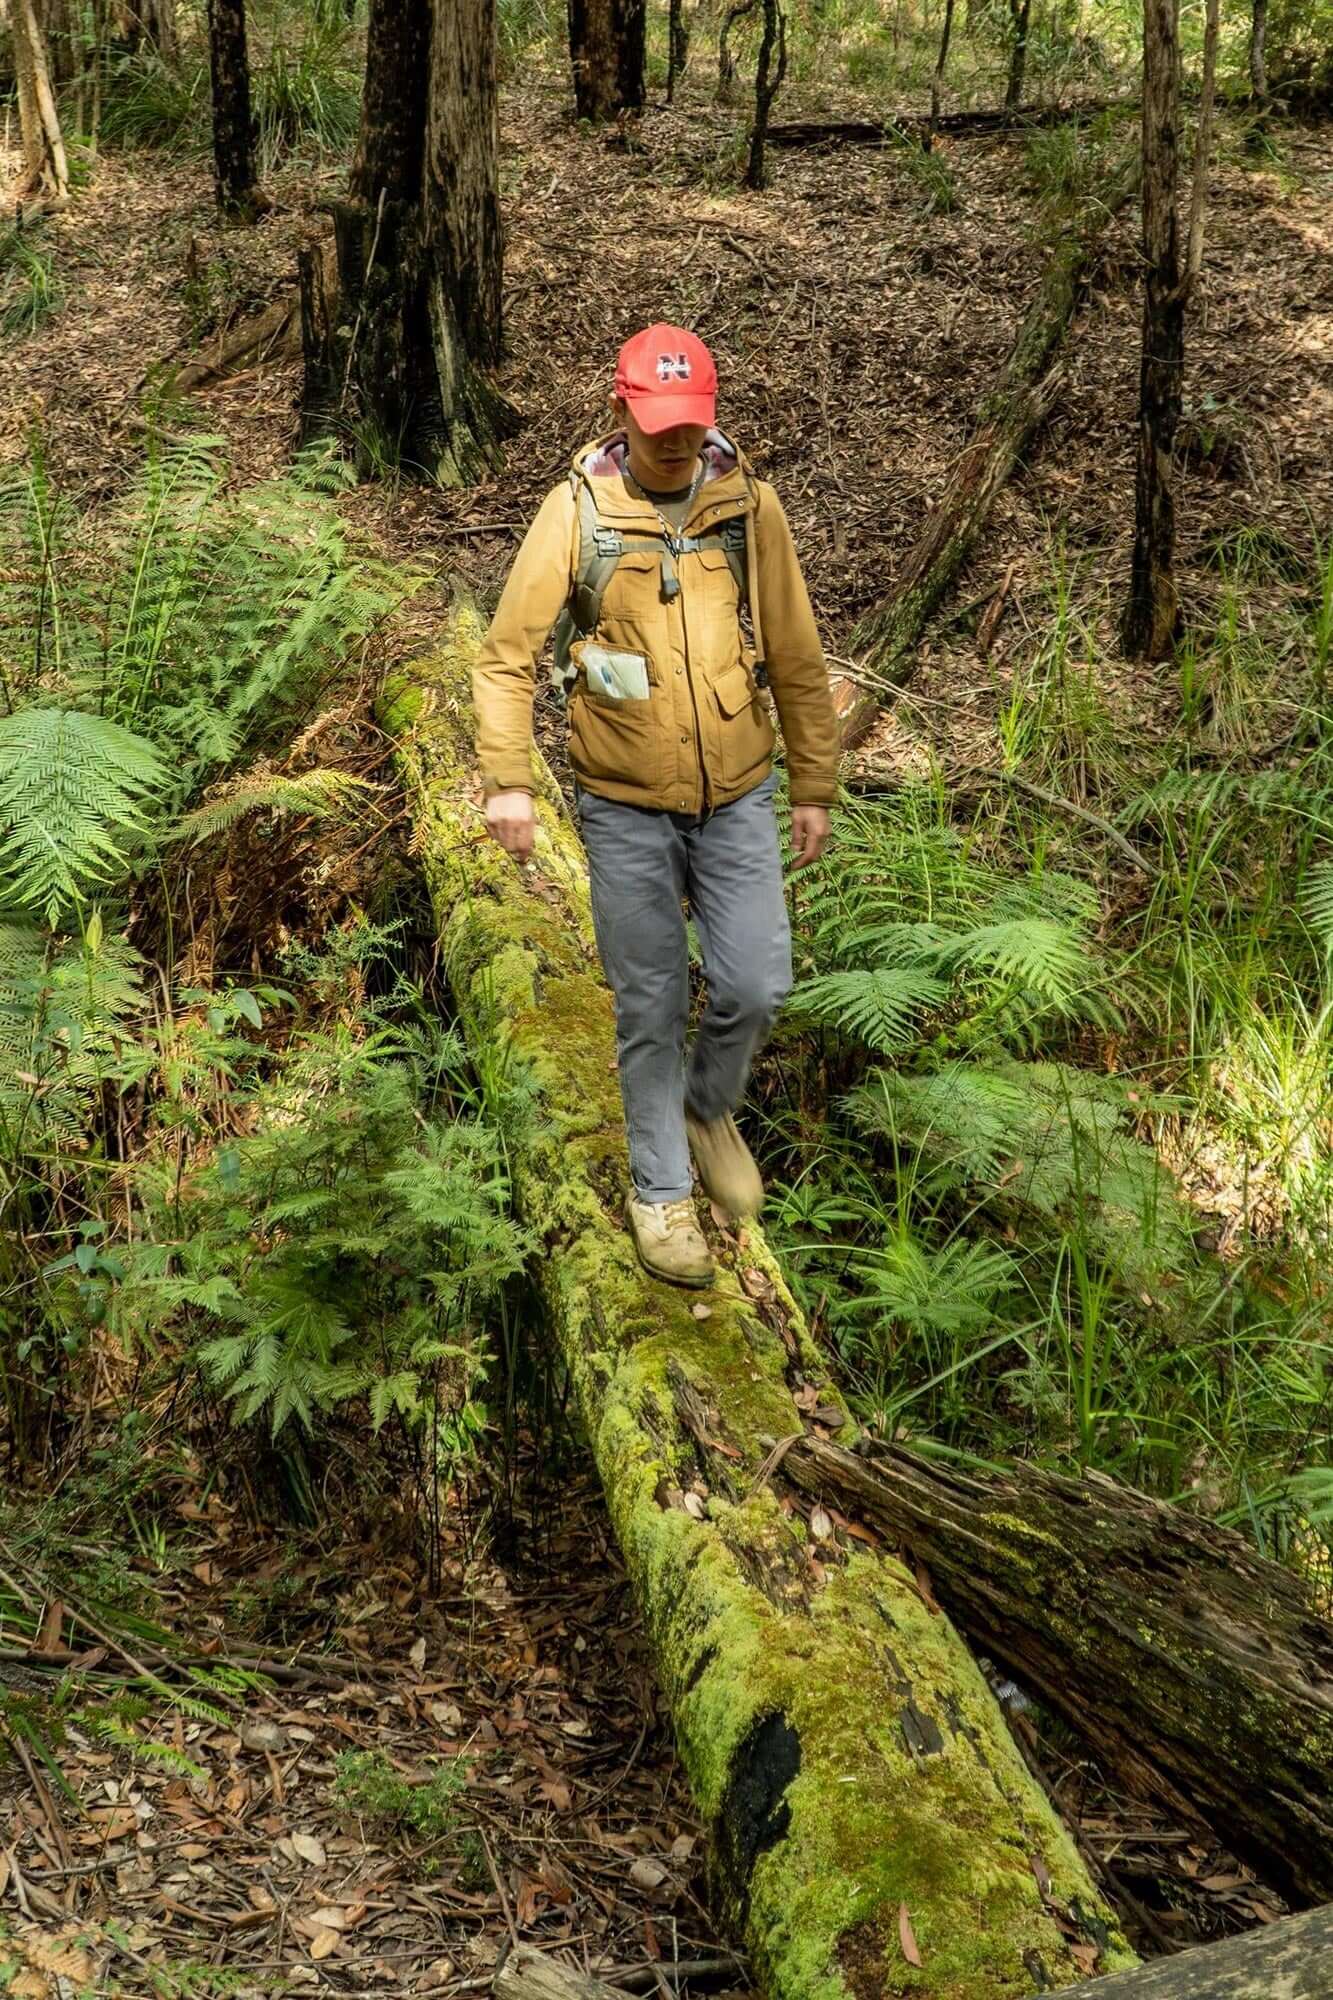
x=367, y=1786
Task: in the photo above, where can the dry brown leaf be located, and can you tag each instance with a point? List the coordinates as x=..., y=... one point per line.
x=1085, y=1957
x=701, y=1311
x=821, y=1526
x=330, y=1917
x=53, y=1624
x=324, y=1943
x=907, y=1937
x=647, y=1874
x=416, y=1653
x=309, y=1849
x=693, y=1505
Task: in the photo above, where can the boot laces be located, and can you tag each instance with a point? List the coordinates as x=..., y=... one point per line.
x=675, y=1212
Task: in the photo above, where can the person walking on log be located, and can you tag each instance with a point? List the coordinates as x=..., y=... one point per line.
x=668, y=573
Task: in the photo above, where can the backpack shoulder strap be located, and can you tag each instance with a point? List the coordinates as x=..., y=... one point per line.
x=747, y=584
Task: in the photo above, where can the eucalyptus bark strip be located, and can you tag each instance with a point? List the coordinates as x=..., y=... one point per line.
x=846, y=1755
x=1007, y=419
x=1199, y=1672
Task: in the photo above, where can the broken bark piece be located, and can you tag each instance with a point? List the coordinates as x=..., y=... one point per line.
x=846, y=1754
x=1289, y=1960
x=528, y=1974
x=1195, y=1669
x=1006, y=421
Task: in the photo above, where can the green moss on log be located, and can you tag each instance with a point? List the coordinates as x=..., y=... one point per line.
x=845, y=1753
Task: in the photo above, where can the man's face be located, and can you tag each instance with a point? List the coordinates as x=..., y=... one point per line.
x=662, y=460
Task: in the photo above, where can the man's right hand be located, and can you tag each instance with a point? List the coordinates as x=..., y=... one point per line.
x=510, y=819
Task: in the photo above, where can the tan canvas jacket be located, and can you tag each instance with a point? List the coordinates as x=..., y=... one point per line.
x=703, y=736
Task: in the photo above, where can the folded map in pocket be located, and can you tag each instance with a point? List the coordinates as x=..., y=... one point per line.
x=621, y=676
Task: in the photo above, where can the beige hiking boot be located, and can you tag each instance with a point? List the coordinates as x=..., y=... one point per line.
x=670, y=1242
x=726, y=1165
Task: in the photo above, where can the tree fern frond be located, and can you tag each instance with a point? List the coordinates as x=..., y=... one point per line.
x=320, y=794
x=73, y=794
x=880, y=1007
x=1045, y=957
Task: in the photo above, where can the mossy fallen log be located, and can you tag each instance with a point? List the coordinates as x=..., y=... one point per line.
x=866, y=1807
x=1198, y=1672
x=1006, y=420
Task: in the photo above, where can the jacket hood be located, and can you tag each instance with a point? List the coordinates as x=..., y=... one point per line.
x=605, y=460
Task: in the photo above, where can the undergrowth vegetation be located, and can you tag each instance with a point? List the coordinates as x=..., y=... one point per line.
x=280, y=1181
x=1057, y=1172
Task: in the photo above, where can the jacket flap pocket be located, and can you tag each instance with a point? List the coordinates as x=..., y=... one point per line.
x=733, y=691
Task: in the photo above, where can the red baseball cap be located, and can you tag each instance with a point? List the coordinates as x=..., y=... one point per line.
x=667, y=376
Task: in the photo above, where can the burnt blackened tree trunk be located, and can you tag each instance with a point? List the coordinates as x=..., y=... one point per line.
x=631, y=31
x=238, y=193
x=399, y=358
x=1020, y=12
x=771, y=69
x=607, y=46
x=1152, y=612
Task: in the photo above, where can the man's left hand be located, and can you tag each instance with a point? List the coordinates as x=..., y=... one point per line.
x=809, y=832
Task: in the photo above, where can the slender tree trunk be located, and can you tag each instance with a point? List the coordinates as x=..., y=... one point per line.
x=607, y=43
x=740, y=10
x=937, y=80
x=45, y=169
x=1021, y=14
x=772, y=68
x=678, y=46
x=1258, y=68
x=1152, y=613
x=399, y=356
x=238, y=193
x=1203, y=146
x=57, y=22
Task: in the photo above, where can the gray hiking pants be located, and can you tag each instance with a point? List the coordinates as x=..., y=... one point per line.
x=642, y=865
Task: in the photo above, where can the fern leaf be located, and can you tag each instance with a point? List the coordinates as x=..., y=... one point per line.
x=880, y=1007
x=1317, y=902
x=320, y=794
x=73, y=795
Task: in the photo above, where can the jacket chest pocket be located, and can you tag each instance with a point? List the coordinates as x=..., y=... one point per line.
x=745, y=733
x=631, y=608
x=713, y=610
